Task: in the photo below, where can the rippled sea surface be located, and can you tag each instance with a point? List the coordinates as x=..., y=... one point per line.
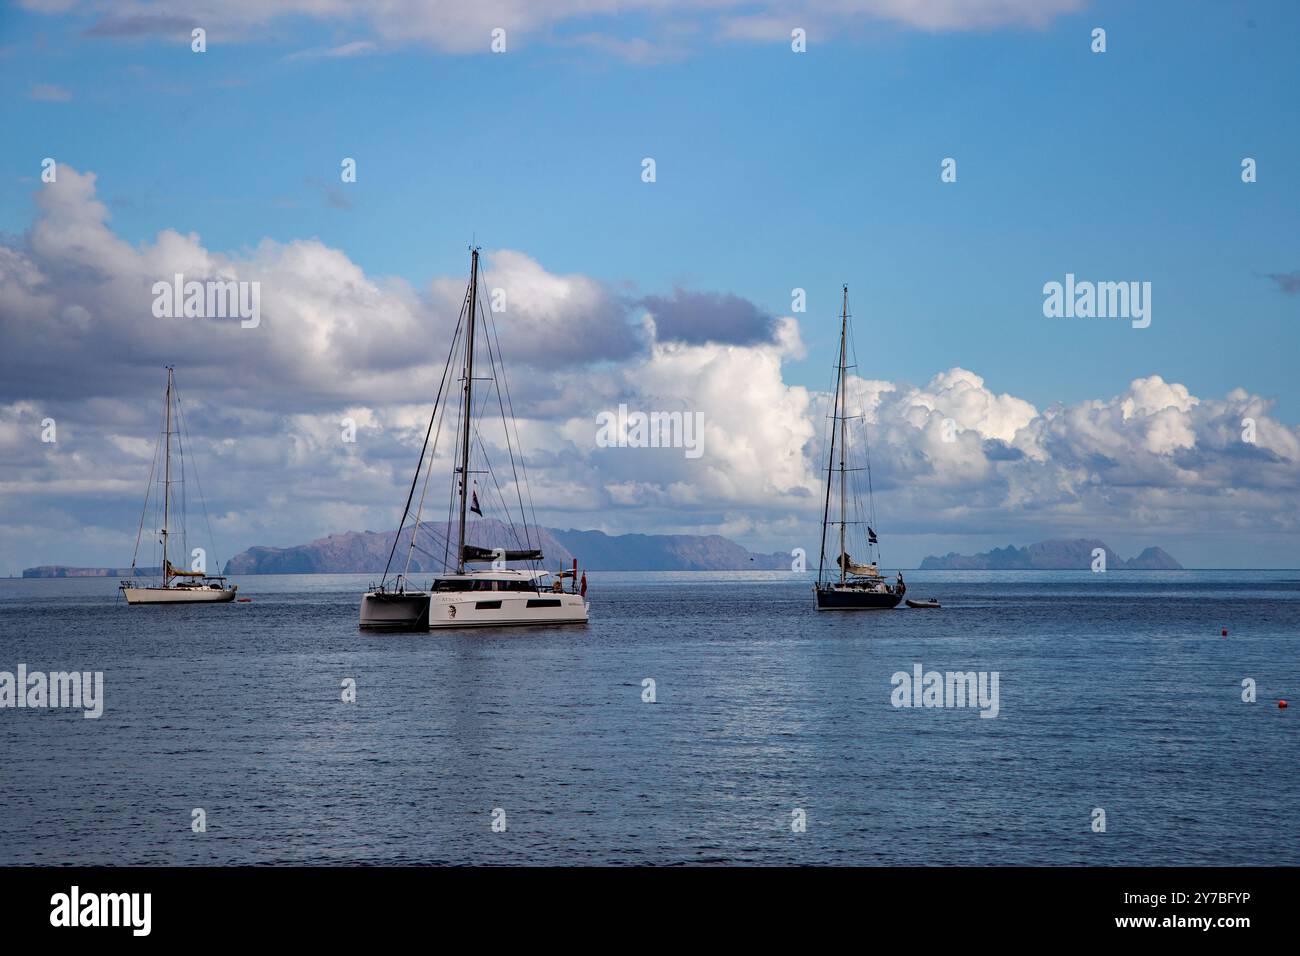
x=1116, y=691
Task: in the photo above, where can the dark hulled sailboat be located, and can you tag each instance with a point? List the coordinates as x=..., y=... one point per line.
x=846, y=584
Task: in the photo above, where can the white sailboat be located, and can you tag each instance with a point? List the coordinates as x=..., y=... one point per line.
x=859, y=585
x=462, y=595
x=177, y=586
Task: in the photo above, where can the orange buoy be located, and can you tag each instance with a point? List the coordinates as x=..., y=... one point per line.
x=1281, y=705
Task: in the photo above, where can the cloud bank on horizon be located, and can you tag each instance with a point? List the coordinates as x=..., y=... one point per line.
x=80, y=345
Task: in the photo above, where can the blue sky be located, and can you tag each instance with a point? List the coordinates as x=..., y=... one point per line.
x=775, y=170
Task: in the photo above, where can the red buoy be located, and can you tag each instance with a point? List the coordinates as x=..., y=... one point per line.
x=1281, y=705
x=1225, y=632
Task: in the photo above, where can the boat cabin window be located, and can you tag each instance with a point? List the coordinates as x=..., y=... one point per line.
x=517, y=586
x=443, y=584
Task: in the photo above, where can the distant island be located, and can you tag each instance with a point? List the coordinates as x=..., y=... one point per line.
x=64, y=571
x=367, y=551
x=1058, y=555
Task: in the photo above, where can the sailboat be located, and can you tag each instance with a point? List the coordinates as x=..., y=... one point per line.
x=852, y=585
x=178, y=586
x=462, y=595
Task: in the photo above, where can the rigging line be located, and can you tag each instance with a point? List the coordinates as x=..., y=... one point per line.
x=458, y=354
x=498, y=373
x=198, y=486
x=179, y=523
x=424, y=490
x=438, y=538
x=505, y=428
x=856, y=484
x=157, y=446
x=406, y=511
x=439, y=413
x=174, y=519
x=158, y=502
x=523, y=464
x=497, y=484
x=451, y=503
x=830, y=462
x=477, y=439
x=866, y=445
x=426, y=552
x=844, y=436
x=451, y=497
x=182, y=442
x=458, y=348
x=510, y=526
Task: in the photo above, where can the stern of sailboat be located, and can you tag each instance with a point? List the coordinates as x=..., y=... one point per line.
x=395, y=610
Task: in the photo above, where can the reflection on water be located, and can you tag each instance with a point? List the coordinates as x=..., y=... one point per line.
x=1117, y=691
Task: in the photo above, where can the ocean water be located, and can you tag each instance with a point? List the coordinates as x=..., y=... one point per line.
x=1116, y=691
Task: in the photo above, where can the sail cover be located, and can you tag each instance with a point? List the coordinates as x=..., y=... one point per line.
x=176, y=573
x=472, y=553
x=846, y=562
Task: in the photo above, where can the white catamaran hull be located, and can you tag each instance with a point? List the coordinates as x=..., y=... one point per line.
x=395, y=610
x=450, y=609
x=459, y=609
x=180, y=595
x=463, y=596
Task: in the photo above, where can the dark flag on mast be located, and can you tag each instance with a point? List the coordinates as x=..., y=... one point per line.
x=473, y=501
x=871, y=536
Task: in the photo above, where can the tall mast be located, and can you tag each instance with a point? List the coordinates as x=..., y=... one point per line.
x=468, y=397
x=167, y=480
x=844, y=329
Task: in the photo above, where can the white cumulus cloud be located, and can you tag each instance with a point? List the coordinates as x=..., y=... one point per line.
x=266, y=409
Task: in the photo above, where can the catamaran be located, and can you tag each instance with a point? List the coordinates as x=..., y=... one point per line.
x=462, y=595
x=858, y=585
x=178, y=586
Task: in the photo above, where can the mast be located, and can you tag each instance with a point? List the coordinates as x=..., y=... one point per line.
x=167, y=480
x=844, y=328
x=468, y=397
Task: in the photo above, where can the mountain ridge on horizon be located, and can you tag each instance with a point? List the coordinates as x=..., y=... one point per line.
x=1054, y=554
x=367, y=551
x=360, y=551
